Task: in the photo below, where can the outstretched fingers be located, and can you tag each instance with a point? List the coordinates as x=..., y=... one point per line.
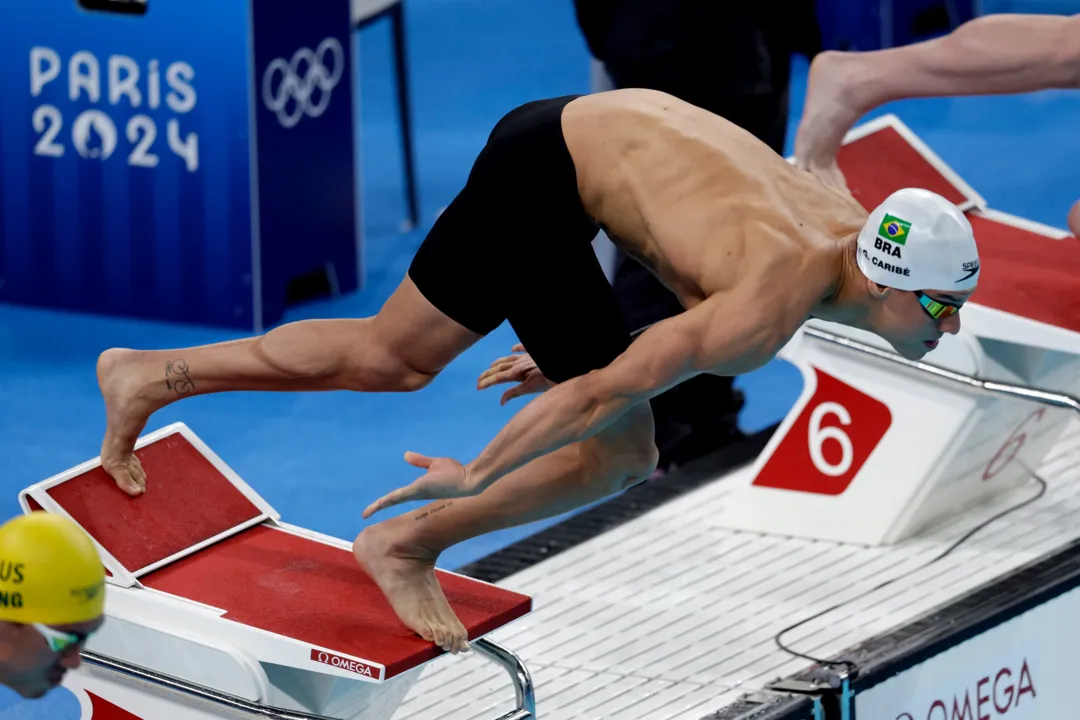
x=397, y=497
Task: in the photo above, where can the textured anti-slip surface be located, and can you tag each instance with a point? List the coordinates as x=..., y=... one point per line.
x=187, y=502
x=1028, y=274
x=316, y=593
x=881, y=163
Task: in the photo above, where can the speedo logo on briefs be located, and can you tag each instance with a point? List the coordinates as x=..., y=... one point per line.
x=970, y=268
x=355, y=666
x=894, y=229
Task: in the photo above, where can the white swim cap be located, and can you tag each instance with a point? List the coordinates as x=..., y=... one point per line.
x=918, y=240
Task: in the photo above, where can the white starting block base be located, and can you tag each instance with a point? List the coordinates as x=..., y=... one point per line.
x=215, y=608
x=875, y=451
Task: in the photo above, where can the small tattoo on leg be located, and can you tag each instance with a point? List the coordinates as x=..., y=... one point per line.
x=434, y=510
x=182, y=384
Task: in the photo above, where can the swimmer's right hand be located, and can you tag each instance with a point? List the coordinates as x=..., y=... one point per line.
x=515, y=368
x=445, y=478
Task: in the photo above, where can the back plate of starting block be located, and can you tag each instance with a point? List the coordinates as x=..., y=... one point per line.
x=193, y=499
x=884, y=155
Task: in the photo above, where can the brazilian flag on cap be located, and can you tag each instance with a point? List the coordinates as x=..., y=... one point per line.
x=894, y=229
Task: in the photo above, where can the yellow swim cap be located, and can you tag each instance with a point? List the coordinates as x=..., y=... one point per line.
x=50, y=571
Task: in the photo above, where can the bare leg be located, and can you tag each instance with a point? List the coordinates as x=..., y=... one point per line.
x=1074, y=219
x=400, y=349
x=400, y=553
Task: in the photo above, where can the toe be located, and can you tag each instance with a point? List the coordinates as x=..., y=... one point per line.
x=461, y=638
x=138, y=474
x=125, y=482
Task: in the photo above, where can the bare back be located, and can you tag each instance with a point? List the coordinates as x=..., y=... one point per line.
x=705, y=205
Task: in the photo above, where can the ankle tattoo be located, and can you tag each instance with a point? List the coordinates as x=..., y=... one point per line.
x=181, y=381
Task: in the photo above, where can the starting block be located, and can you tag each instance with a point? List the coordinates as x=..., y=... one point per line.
x=877, y=449
x=216, y=608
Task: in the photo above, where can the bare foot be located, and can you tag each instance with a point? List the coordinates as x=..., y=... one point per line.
x=126, y=411
x=408, y=581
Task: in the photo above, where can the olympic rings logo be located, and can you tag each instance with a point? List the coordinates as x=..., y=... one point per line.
x=316, y=79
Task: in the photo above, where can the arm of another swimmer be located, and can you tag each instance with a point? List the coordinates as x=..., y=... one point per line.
x=710, y=335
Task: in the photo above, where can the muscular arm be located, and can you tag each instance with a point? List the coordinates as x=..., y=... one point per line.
x=712, y=334
x=991, y=55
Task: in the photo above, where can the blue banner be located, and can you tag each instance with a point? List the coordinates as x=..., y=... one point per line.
x=304, y=86
x=127, y=158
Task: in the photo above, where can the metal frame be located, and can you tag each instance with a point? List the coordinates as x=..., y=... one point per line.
x=519, y=675
x=395, y=12
x=989, y=386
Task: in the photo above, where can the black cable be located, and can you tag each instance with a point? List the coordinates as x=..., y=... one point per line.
x=850, y=666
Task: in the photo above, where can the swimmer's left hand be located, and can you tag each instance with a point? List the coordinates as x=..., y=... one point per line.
x=445, y=478
x=516, y=368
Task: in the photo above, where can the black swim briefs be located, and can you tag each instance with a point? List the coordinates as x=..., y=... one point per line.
x=515, y=244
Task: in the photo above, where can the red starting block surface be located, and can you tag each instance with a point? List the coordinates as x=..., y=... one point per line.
x=313, y=592
x=883, y=156
x=1027, y=273
x=188, y=501
x=200, y=533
